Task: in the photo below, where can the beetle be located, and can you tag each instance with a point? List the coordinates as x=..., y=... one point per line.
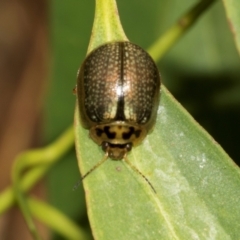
x=118, y=92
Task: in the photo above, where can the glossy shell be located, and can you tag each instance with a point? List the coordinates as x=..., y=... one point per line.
x=118, y=95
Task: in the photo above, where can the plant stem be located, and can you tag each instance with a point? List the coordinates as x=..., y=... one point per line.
x=55, y=219
x=46, y=156
x=165, y=42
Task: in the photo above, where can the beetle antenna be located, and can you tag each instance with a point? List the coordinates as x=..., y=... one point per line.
x=91, y=170
x=95, y=166
x=138, y=171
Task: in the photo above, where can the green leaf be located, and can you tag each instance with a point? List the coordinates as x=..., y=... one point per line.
x=197, y=184
x=233, y=14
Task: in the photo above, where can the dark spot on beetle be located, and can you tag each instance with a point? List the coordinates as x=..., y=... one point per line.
x=137, y=133
x=110, y=135
x=106, y=145
x=99, y=132
x=127, y=135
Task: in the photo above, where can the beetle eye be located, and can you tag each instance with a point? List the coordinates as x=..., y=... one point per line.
x=105, y=146
x=129, y=147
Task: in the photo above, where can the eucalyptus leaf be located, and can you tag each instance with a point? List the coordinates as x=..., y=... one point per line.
x=196, y=183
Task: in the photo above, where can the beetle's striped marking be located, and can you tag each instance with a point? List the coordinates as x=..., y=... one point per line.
x=120, y=83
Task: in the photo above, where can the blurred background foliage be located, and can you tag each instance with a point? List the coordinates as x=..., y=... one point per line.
x=202, y=71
